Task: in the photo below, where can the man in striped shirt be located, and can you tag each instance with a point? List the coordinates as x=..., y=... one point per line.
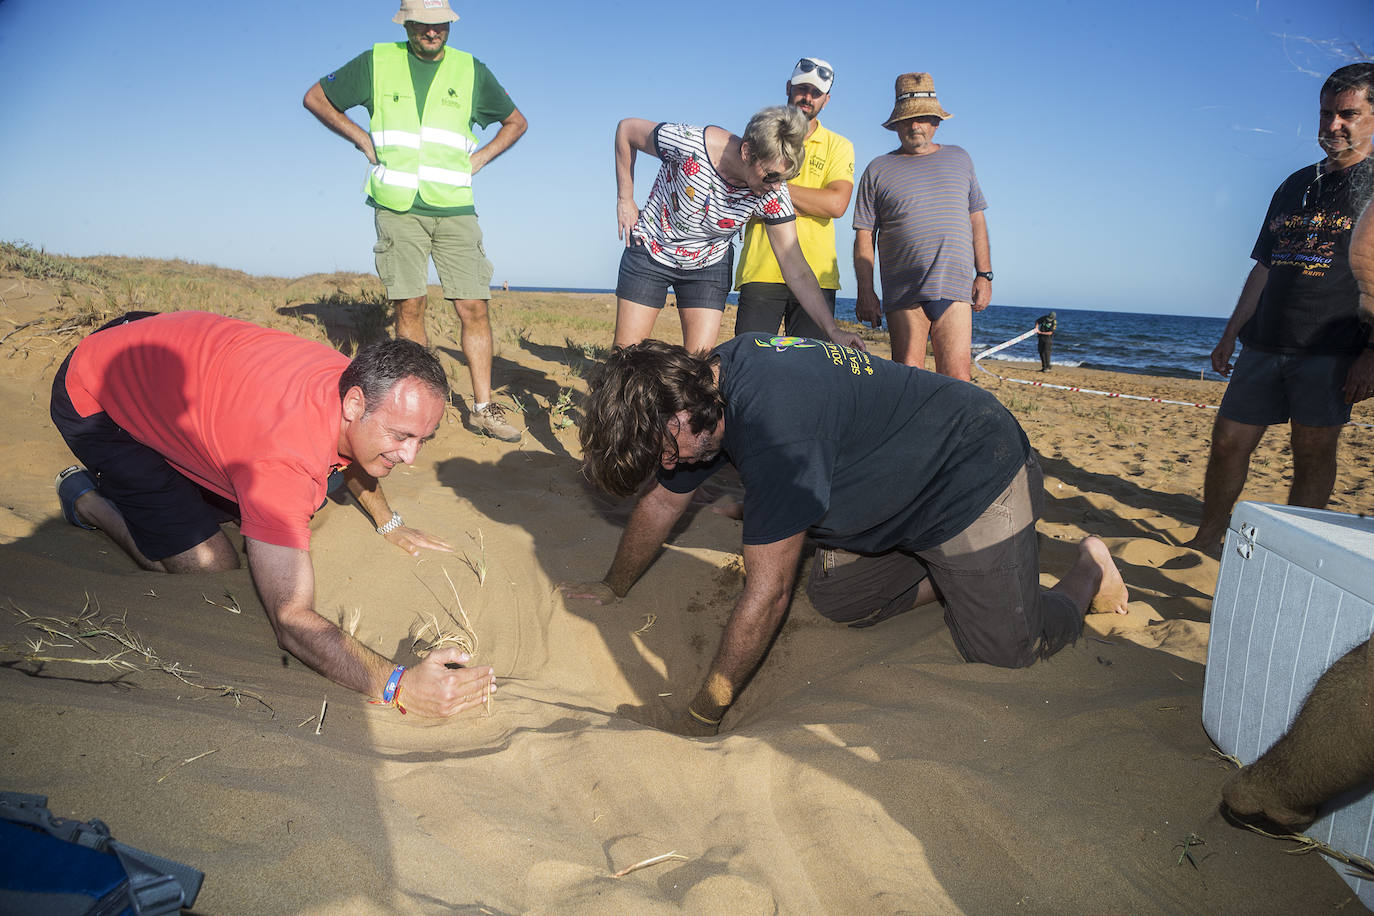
x=923, y=204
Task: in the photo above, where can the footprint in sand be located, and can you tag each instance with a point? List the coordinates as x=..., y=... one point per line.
x=1145, y=552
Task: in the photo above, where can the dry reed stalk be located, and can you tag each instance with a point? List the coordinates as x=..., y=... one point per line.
x=232, y=607
x=428, y=634
x=478, y=566
x=349, y=620
x=87, y=628
x=186, y=761
x=655, y=860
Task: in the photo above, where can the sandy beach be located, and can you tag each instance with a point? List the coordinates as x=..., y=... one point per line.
x=862, y=771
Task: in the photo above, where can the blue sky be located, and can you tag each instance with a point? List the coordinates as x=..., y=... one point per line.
x=1127, y=151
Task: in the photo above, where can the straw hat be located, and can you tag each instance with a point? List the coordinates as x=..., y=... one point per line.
x=915, y=99
x=430, y=12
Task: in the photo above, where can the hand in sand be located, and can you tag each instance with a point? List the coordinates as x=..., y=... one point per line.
x=1111, y=592
x=678, y=722
x=684, y=724
x=412, y=540
x=595, y=592
x=434, y=689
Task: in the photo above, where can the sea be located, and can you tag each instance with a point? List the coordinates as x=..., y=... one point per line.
x=1175, y=346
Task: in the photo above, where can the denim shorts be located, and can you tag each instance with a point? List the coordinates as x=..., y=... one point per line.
x=645, y=281
x=406, y=242
x=1271, y=388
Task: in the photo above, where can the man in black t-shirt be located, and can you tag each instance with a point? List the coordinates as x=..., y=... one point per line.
x=916, y=487
x=1306, y=357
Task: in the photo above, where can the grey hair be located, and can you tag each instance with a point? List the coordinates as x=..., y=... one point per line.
x=778, y=132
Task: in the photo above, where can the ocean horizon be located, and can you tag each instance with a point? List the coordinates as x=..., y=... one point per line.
x=1174, y=346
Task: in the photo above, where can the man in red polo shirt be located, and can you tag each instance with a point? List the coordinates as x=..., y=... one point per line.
x=183, y=417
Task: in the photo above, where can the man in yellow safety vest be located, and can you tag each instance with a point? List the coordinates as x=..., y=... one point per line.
x=422, y=98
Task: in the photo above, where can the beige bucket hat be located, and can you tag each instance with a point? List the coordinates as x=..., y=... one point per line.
x=430, y=12
x=915, y=99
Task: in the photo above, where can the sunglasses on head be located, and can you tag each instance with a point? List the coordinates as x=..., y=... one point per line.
x=806, y=65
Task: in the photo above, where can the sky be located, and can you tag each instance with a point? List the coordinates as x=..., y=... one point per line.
x=1128, y=151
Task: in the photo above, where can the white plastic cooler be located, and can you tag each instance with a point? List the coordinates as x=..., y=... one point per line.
x=1295, y=593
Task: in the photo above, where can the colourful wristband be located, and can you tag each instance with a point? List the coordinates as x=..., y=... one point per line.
x=389, y=691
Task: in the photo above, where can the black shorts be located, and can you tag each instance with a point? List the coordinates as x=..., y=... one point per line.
x=764, y=306
x=167, y=513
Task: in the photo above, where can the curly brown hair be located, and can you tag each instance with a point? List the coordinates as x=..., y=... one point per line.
x=632, y=397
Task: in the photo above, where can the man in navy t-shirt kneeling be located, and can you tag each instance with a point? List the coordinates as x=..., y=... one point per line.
x=916, y=487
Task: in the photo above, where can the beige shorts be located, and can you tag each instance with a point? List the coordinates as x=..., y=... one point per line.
x=406, y=243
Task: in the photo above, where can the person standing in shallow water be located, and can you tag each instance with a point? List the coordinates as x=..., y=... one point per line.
x=1045, y=326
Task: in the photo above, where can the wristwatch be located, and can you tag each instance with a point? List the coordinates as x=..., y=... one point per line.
x=985, y=274
x=395, y=522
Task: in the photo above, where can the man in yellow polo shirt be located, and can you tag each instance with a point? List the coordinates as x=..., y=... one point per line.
x=820, y=195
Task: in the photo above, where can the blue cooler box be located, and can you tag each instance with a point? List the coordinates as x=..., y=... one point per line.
x=1295, y=593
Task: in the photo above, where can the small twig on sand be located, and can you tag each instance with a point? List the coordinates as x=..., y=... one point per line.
x=1360, y=867
x=323, y=706
x=647, y=862
x=1229, y=758
x=649, y=620
x=184, y=762
x=232, y=607
x=18, y=328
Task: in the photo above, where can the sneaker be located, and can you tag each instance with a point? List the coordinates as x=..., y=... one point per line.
x=491, y=421
x=72, y=483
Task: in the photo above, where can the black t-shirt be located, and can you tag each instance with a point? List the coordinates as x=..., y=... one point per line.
x=869, y=455
x=1310, y=301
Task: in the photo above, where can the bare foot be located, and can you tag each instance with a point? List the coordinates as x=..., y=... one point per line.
x=1111, y=593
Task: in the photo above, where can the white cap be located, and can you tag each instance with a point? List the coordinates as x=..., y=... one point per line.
x=812, y=71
